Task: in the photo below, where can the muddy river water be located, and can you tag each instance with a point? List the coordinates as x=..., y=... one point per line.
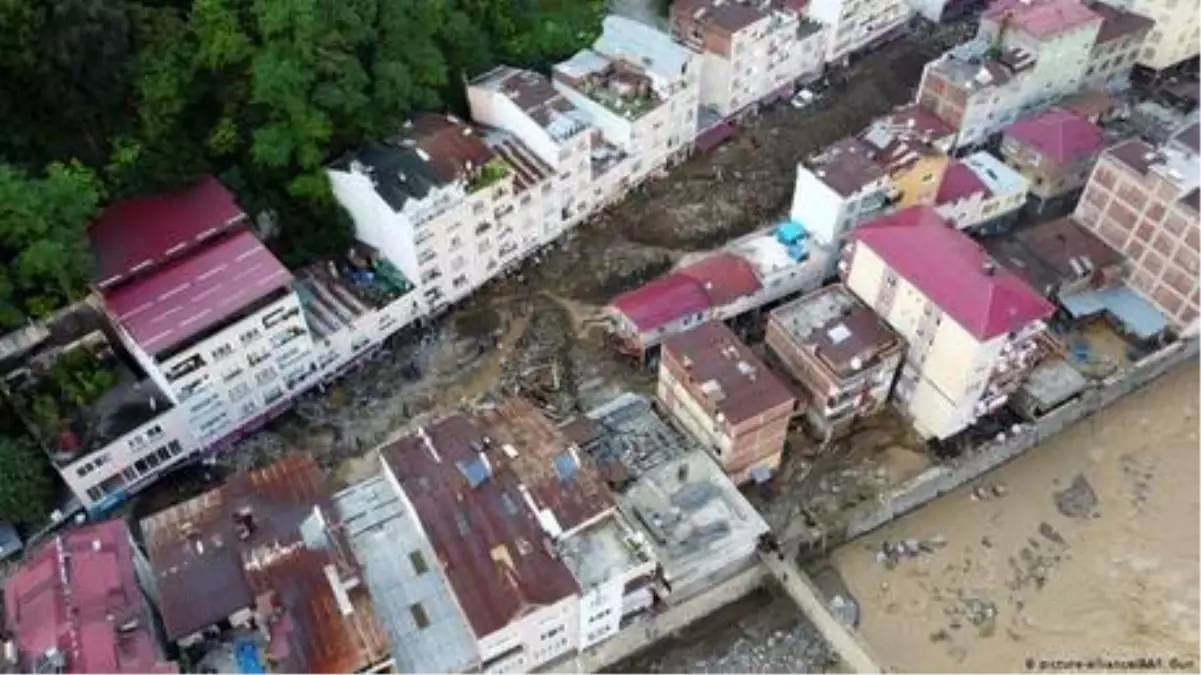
x=1085, y=548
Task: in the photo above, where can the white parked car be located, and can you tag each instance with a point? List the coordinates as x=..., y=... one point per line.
x=803, y=99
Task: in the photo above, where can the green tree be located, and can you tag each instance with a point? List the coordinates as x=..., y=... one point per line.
x=43, y=223
x=26, y=483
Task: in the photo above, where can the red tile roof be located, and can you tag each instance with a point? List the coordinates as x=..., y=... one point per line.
x=188, y=296
x=712, y=353
x=78, y=594
x=134, y=235
x=450, y=145
x=1042, y=19
x=488, y=541
x=952, y=271
x=959, y=182
x=661, y=301
x=1061, y=136
x=724, y=276
x=543, y=450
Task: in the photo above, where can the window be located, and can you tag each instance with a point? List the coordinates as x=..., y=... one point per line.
x=419, y=615
x=185, y=367
x=222, y=351
x=418, y=562
x=264, y=376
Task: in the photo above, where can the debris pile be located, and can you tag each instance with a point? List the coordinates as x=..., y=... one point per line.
x=1078, y=500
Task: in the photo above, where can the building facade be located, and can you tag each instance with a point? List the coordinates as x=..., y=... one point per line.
x=1055, y=151
x=717, y=389
x=1117, y=48
x=838, y=189
x=1174, y=38
x=858, y=24
x=843, y=356
x=1143, y=202
x=972, y=329
x=981, y=194
x=751, y=51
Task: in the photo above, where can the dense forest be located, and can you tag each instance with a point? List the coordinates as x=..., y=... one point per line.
x=107, y=99
x=102, y=100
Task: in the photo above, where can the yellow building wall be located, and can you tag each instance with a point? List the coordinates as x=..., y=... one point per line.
x=919, y=183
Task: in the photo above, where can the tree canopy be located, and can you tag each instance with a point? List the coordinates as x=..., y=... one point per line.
x=120, y=98
x=26, y=484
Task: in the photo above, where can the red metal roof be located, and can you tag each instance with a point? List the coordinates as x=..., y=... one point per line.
x=661, y=301
x=712, y=353
x=135, y=235
x=207, y=569
x=959, y=182
x=952, y=271
x=75, y=594
x=1042, y=18
x=1062, y=136
x=725, y=277
x=488, y=541
x=190, y=295
x=544, y=451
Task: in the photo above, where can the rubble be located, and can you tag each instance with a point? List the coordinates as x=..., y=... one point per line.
x=1078, y=500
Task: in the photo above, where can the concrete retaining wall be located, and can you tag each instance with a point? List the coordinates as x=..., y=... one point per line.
x=946, y=477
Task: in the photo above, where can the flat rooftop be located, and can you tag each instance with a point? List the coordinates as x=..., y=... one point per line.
x=473, y=508
x=769, y=257
x=836, y=327
x=69, y=420
x=194, y=294
x=695, y=517
x=335, y=293
x=733, y=382
x=603, y=551
x=1052, y=382
x=968, y=66
x=847, y=166
x=534, y=95
x=414, y=605
x=634, y=438
x=997, y=176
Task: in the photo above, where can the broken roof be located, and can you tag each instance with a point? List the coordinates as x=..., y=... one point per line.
x=1042, y=19
x=260, y=542
x=562, y=481
x=74, y=606
x=473, y=507
x=190, y=295
x=634, y=438
x=954, y=272
x=735, y=383
x=847, y=166
x=135, y=235
x=453, y=149
x=918, y=120
x=1060, y=135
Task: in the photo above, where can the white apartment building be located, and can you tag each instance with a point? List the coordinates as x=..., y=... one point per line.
x=450, y=208
x=856, y=24
x=1026, y=54
x=838, y=189
x=972, y=328
x=562, y=136
x=753, y=51
x=642, y=90
x=981, y=193
x=1176, y=36
x=203, y=307
x=1118, y=46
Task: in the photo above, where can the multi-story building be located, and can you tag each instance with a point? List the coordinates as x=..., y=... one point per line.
x=521, y=601
x=838, y=189
x=858, y=24
x=75, y=606
x=1118, y=45
x=642, y=90
x=1055, y=151
x=843, y=357
x=1143, y=202
x=980, y=193
x=527, y=105
x=203, y=307
x=752, y=51
x=972, y=328
x=261, y=555
x=717, y=389
x=1174, y=38
x=914, y=165
x=1026, y=54
x=450, y=207
x=749, y=273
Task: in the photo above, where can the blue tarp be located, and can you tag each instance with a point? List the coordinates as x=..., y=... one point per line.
x=247, y=655
x=1138, y=316
x=790, y=232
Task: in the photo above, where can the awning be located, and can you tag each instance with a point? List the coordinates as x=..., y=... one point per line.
x=1136, y=314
